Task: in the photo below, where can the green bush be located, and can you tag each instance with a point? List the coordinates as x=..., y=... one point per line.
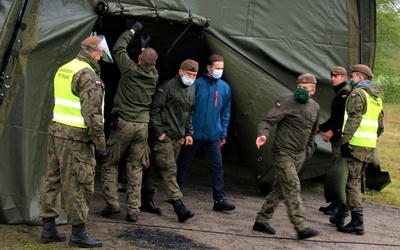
x=389, y=88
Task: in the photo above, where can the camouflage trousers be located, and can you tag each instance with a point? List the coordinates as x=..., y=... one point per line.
x=163, y=161
x=132, y=138
x=70, y=170
x=286, y=187
x=353, y=185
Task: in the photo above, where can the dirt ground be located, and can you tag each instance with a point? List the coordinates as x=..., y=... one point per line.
x=233, y=230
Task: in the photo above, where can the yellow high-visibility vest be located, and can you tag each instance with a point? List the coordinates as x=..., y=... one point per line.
x=366, y=134
x=67, y=106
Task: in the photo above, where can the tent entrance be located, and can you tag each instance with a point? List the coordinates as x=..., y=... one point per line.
x=173, y=41
x=174, y=35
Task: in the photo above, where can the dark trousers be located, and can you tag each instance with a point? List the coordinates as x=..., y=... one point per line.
x=212, y=151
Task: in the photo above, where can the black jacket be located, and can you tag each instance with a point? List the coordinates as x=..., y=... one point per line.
x=338, y=104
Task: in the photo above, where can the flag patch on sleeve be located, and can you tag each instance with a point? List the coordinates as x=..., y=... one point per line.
x=98, y=83
x=278, y=104
x=160, y=90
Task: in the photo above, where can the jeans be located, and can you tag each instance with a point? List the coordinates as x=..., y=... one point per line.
x=212, y=151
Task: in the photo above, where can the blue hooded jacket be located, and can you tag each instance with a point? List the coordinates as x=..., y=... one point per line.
x=212, y=109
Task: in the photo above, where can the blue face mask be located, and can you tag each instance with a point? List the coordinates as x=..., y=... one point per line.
x=217, y=73
x=302, y=95
x=187, y=81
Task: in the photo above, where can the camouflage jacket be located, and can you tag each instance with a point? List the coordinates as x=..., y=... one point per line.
x=296, y=122
x=86, y=85
x=172, y=109
x=356, y=106
x=136, y=86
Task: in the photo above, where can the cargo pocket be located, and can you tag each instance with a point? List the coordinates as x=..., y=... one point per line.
x=145, y=161
x=84, y=167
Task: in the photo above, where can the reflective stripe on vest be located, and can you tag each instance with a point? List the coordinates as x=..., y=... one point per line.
x=67, y=106
x=366, y=134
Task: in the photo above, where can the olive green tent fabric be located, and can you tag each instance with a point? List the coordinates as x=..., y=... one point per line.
x=266, y=45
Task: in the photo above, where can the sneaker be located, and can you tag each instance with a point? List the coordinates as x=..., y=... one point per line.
x=264, y=227
x=307, y=233
x=109, y=210
x=223, y=205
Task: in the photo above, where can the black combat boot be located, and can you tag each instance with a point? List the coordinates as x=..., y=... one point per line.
x=307, y=233
x=50, y=233
x=264, y=227
x=109, y=210
x=80, y=238
x=181, y=211
x=356, y=225
x=339, y=218
x=332, y=208
x=148, y=203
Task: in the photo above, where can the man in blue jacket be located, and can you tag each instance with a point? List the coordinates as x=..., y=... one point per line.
x=210, y=124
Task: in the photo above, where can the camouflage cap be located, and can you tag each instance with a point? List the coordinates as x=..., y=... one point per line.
x=307, y=78
x=362, y=69
x=92, y=41
x=190, y=65
x=338, y=71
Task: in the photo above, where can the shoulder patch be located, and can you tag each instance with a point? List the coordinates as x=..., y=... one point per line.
x=344, y=96
x=278, y=104
x=353, y=95
x=160, y=90
x=97, y=82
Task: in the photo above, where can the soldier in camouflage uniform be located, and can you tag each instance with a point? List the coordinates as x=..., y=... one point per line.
x=129, y=131
x=296, y=117
x=76, y=132
x=171, y=122
x=332, y=128
x=363, y=125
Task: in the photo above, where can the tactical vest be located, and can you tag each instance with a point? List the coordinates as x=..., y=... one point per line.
x=366, y=134
x=67, y=106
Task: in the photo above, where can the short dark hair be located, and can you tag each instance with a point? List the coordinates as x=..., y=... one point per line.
x=149, y=56
x=214, y=58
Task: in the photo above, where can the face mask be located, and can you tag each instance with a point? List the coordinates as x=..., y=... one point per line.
x=302, y=95
x=217, y=73
x=352, y=83
x=187, y=81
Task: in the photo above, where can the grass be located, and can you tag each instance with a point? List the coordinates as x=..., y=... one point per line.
x=388, y=150
x=388, y=147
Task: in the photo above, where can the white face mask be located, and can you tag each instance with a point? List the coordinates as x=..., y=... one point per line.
x=217, y=73
x=187, y=81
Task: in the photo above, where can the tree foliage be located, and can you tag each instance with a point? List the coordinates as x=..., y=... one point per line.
x=387, y=58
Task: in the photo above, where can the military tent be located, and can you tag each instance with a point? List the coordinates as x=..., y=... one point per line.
x=266, y=45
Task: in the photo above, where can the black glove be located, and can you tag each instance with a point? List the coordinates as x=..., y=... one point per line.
x=345, y=150
x=114, y=122
x=144, y=42
x=101, y=154
x=137, y=26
